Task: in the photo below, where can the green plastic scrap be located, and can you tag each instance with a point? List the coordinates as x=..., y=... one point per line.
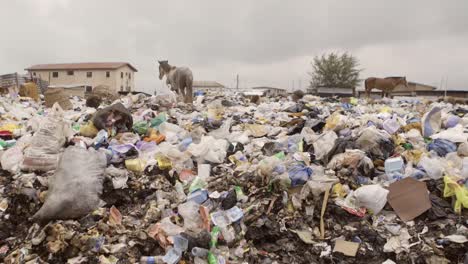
x=214, y=236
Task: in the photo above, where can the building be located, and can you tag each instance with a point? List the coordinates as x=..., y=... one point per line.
x=269, y=91
x=207, y=86
x=413, y=89
x=420, y=90
x=331, y=91
x=120, y=76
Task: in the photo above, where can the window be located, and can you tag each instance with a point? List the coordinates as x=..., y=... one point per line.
x=128, y=88
x=54, y=74
x=89, y=74
x=121, y=75
x=70, y=73
x=34, y=73
x=107, y=74
x=89, y=89
x=129, y=75
x=121, y=87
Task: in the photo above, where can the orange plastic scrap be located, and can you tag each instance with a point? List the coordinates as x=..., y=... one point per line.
x=155, y=136
x=115, y=217
x=205, y=216
x=452, y=188
x=156, y=232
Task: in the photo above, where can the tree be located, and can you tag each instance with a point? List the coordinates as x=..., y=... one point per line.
x=335, y=70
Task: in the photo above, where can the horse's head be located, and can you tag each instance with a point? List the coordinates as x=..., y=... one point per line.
x=163, y=65
x=161, y=72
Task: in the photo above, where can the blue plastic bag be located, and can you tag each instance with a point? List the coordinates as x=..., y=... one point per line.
x=299, y=174
x=442, y=147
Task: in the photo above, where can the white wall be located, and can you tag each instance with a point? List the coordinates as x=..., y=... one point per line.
x=114, y=81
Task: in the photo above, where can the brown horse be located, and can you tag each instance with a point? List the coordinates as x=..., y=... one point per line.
x=180, y=79
x=385, y=84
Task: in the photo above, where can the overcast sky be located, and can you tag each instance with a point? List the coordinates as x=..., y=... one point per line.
x=266, y=42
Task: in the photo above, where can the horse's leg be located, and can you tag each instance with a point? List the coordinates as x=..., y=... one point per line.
x=188, y=91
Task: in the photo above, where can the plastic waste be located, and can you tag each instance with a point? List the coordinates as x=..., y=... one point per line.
x=88, y=130
x=43, y=152
x=442, y=147
x=190, y=212
x=431, y=122
x=200, y=252
x=76, y=185
x=452, y=188
x=115, y=117
x=394, y=168
x=299, y=174
x=335, y=122
x=391, y=125
x=373, y=197
x=433, y=167
x=324, y=144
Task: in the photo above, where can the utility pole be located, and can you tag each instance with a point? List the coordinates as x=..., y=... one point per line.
x=237, y=82
x=445, y=92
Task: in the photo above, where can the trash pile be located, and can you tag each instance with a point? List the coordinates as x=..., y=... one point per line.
x=229, y=180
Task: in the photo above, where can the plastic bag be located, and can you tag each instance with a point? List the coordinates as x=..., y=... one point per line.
x=112, y=117
x=88, y=130
x=433, y=166
x=13, y=157
x=452, y=188
x=375, y=142
x=324, y=144
x=391, y=125
x=140, y=127
x=373, y=197
x=442, y=147
x=431, y=122
x=299, y=174
x=335, y=122
x=76, y=185
x=167, y=99
x=190, y=212
x=209, y=149
x=43, y=152
x=463, y=149
x=455, y=134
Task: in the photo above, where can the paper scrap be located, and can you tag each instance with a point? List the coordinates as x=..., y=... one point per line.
x=346, y=247
x=409, y=198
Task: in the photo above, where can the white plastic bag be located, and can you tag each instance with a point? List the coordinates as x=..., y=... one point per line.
x=43, y=152
x=324, y=144
x=373, y=197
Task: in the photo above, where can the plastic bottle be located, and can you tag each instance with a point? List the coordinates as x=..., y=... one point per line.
x=180, y=243
x=199, y=252
x=172, y=256
x=151, y=260
x=199, y=196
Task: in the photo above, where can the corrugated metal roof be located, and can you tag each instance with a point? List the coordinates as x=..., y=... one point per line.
x=266, y=87
x=81, y=66
x=206, y=84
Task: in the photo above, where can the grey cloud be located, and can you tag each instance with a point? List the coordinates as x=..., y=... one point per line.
x=266, y=41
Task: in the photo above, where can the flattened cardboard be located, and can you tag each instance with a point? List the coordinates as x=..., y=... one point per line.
x=409, y=198
x=346, y=247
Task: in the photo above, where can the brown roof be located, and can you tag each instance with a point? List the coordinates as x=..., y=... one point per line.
x=206, y=84
x=81, y=66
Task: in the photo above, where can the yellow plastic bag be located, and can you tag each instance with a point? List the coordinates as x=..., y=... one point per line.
x=10, y=127
x=135, y=165
x=335, y=122
x=452, y=188
x=164, y=163
x=385, y=109
x=88, y=130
